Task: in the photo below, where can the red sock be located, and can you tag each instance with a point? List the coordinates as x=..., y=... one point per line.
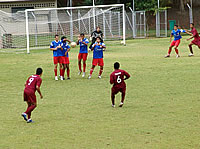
x=91, y=71
x=176, y=51
x=68, y=73
x=55, y=70
x=169, y=51
x=79, y=65
x=29, y=110
x=100, y=72
x=84, y=67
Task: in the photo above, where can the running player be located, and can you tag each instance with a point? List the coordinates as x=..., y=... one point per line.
x=57, y=56
x=196, y=40
x=66, y=49
x=98, y=48
x=117, y=79
x=32, y=84
x=83, y=53
x=177, y=39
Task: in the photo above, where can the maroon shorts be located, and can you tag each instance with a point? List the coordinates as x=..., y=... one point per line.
x=175, y=43
x=82, y=56
x=58, y=59
x=116, y=90
x=98, y=61
x=65, y=60
x=196, y=42
x=29, y=96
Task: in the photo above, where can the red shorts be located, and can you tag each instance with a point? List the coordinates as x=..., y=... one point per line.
x=65, y=60
x=116, y=90
x=58, y=59
x=196, y=42
x=29, y=96
x=175, y=43
x=82, y=56
x=98, y=61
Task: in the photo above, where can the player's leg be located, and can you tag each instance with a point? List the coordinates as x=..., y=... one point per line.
x=55, y=67
x=123, y=91
x=60, y=60
x=177, y=52
x=91, y=70
x=30, y=110
x=113, y=97
x=191, y=50
x=170, y=49
x=68, y=71
x=64, y=68
x=100, y=72
x=84, y=63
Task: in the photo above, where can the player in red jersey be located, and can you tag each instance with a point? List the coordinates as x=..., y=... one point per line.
x=117, y=79
x=196, y=40
x=32, y=84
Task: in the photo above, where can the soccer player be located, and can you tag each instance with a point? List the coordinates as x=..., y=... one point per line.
x=196, y=40
x=97, y=48
x=57, y=56
x=66, y=49
x=177, y=39
x=32, y=84
x=95, y=34
x=83, y=53
x=117, y=79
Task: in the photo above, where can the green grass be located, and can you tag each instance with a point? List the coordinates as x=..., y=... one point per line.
x=161, y=108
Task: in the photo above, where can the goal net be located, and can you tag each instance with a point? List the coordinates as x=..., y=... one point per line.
x=43, y=24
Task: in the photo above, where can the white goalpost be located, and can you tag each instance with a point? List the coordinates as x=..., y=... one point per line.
x=43, y=24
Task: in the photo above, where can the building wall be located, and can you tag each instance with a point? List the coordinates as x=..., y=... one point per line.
x=7, y=7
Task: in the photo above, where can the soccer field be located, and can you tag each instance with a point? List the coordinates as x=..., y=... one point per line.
x=161, y=109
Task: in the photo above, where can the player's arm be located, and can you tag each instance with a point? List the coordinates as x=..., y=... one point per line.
x=68, y=40
x=190, y=38
x=127, y=75
x=52, y=47
x=78, y=40
x=67, y=51
x=186, y=31
x=111, y=79
x=38, y=90
x=93, y=46
x=171, y=37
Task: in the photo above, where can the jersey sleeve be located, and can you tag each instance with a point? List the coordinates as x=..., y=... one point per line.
x=126, y=74
x=103, y=44
x=68, y=47
x=51, y=45
x=183, y=31
x=39, y=82
x=111, y=79
x=86, y=41
x=172, y=33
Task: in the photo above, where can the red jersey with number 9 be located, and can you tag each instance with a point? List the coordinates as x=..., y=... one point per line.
x=32, y=82
x=117, y=78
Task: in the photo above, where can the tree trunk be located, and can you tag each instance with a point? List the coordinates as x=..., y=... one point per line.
x=182, y=8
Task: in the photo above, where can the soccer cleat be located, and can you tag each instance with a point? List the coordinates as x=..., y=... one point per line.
x=177, y=56
x=79, y=73
x=166, y=56
x=113, y=106
x=68, y=78
x=99, y=77
x=121, y=104
x=89, y=77
x=30, y=121
x=24, y=116
x=83, y=74
x=61, y=78
x=56, y=78
x=191, y=55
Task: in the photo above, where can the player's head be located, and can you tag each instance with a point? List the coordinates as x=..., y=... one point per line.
x=175, y=27
x=63, y=38
x=39, y=71
x=116, y=65
x=82, y=35
x=56, y=37
x=98, y=28
x=98, y=39
x=191, y=25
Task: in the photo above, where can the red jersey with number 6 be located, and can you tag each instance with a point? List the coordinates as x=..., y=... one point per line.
x=117, y=78
x=32, y=82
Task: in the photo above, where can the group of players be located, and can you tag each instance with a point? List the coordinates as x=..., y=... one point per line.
x=177, y=39
x=60, y=56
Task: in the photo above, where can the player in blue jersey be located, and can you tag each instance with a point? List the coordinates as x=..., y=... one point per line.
x=57, y=55
x=98, y=48
x=83, y=52
x=66, y=49
x=177, y=39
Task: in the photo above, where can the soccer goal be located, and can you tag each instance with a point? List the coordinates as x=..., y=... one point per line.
x=43, y=24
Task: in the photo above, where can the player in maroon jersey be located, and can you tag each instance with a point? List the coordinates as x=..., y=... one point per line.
x=32, y=84
x=196, y=40
x=117, y=79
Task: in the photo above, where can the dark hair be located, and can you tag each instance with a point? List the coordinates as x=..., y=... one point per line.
x=176, y=25
x=63, y=37
x=192, y=24
x=82, y=34
x=98, y=27
x=56, y=35
x=39, y=71
x=99, y=37
x=116, y=65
